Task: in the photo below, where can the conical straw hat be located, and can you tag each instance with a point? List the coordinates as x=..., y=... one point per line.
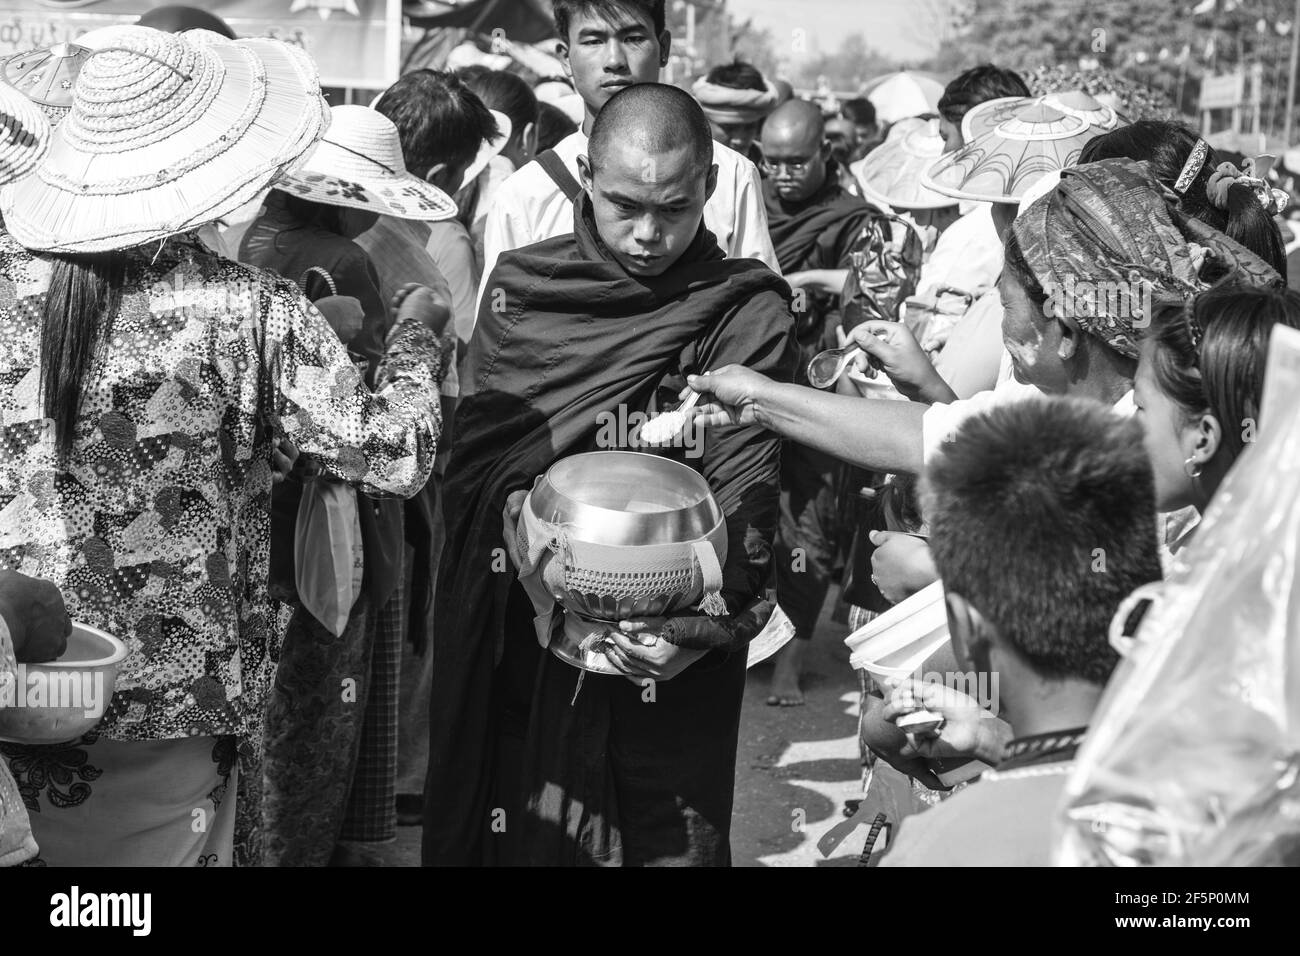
x=166, y=132
x=891, y=173
x=47, y=77
x=359, y=165
x=1002, y=163
x=24, y=134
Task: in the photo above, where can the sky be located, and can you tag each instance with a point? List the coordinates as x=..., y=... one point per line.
x=888, y=25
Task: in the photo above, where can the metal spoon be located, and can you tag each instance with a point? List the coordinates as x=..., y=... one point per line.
x=826, y=367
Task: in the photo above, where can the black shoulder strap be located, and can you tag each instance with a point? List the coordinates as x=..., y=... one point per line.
x=558, y=172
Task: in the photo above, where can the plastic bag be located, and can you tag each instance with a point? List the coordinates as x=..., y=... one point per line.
x=1193, y=756
x=886, y=257
x=327, y=552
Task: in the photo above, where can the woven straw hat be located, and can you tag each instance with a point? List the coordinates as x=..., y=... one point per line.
x=1031, y=140
x=891, y=173
x=166, y=132
x=359, y=165
x=47, y=77
x=24, y=134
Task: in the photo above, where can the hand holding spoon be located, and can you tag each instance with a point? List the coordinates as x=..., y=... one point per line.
x=826, y=367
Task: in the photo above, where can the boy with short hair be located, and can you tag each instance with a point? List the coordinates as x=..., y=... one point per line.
x=1029, y=602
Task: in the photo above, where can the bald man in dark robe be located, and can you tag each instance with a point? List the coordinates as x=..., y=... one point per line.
x=813, y=222
x=531, y=761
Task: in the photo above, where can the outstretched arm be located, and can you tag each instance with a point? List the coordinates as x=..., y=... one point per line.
x=871, y=433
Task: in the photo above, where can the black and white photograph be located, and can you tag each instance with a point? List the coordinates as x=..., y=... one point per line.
x=650, y=434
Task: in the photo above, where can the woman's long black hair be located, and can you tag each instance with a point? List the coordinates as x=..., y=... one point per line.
x=1210, y=355
x=1166, y=147
x=76, y=320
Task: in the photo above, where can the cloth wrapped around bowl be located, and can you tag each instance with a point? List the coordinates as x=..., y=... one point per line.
x=598, y=583
x=657, y=578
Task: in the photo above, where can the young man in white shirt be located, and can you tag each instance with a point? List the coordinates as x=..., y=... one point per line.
x=607, y=46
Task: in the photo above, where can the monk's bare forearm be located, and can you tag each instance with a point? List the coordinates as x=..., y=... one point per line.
x=872, y=433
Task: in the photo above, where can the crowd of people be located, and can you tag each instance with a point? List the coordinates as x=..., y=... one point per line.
x=278, y=376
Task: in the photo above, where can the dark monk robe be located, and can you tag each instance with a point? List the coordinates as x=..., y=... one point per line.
x=518, y=774
x=817, y=233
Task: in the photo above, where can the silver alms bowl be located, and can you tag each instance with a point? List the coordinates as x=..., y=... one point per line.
x=630, y=528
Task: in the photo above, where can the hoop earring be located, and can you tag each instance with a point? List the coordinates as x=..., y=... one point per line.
x=1193, y=470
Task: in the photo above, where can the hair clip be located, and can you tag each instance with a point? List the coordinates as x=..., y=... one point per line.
x=1194, y=331
x=1192, y=167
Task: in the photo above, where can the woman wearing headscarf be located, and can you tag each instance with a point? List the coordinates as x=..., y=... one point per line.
x=147, y=383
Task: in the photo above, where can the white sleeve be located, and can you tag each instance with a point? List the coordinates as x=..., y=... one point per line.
x=506, y=228
x=749, y=236
x=942, y=419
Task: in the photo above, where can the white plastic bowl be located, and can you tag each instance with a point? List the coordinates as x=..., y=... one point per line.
x=895, y=645
x=58, y=701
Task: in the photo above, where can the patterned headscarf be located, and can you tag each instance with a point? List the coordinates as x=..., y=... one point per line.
x=1112, y=223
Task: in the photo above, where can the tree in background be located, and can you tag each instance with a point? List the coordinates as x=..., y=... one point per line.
x=756, y=45
x=1168, y=45
x=846, y=69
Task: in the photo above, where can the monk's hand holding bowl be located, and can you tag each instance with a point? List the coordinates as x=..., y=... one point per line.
x=639, y=651
x=733, y=394
x=894, y=350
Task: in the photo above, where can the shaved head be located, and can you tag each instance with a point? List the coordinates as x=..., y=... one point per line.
x=795, y=150
x=649, y=171
x=794, y=123
x=654, y=118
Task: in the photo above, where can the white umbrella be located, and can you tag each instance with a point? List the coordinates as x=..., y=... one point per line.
x=899, y=95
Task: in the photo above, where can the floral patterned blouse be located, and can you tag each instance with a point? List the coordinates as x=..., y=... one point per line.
x=157, y=530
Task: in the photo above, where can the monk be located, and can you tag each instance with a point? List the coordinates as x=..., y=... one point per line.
x=606, y=46
x=813, y=221
x=532, y=761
